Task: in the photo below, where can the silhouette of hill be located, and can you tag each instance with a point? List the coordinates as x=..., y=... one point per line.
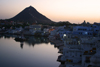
x=31, y=15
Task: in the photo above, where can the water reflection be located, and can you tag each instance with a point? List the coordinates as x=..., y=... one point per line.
x=19, y=54
x=37, y=40
x=34, y=40
x=45, y=51
x=31, y=40
x=7, y=36
x=21, y=44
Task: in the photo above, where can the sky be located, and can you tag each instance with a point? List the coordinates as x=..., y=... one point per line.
x=74, y=11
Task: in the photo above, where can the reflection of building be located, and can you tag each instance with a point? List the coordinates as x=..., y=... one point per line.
x=31, y=40
x=36, y=40
x=21, y=44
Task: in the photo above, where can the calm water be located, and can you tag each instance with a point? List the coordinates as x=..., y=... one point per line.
x=36, y=52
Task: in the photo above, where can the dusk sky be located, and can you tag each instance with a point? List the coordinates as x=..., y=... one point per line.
x=74, y=11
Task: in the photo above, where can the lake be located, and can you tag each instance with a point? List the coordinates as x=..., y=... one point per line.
x=36, y=52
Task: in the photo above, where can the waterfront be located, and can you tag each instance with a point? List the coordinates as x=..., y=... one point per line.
x=36, y=52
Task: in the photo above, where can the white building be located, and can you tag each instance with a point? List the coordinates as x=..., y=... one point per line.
x=34, y=28
x=72, y=52
x=56, y=31
x=82, y=30
x=80, y=51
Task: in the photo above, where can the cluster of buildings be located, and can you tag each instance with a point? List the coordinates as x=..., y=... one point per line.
x=28, y=30
x=91, y=30
x=80, y=51
x=81, y=45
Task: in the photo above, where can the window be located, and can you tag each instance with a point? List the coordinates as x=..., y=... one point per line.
x=96, y=30
x=80, y=32
x=76, y=54
x=70, y=54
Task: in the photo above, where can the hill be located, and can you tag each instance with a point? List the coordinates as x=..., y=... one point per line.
x=31, y=15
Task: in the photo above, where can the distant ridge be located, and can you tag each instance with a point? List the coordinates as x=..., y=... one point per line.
x=31, y=15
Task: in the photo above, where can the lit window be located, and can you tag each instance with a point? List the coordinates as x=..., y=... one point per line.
x=64, y=34
x=85, y=32
x=79, y=42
